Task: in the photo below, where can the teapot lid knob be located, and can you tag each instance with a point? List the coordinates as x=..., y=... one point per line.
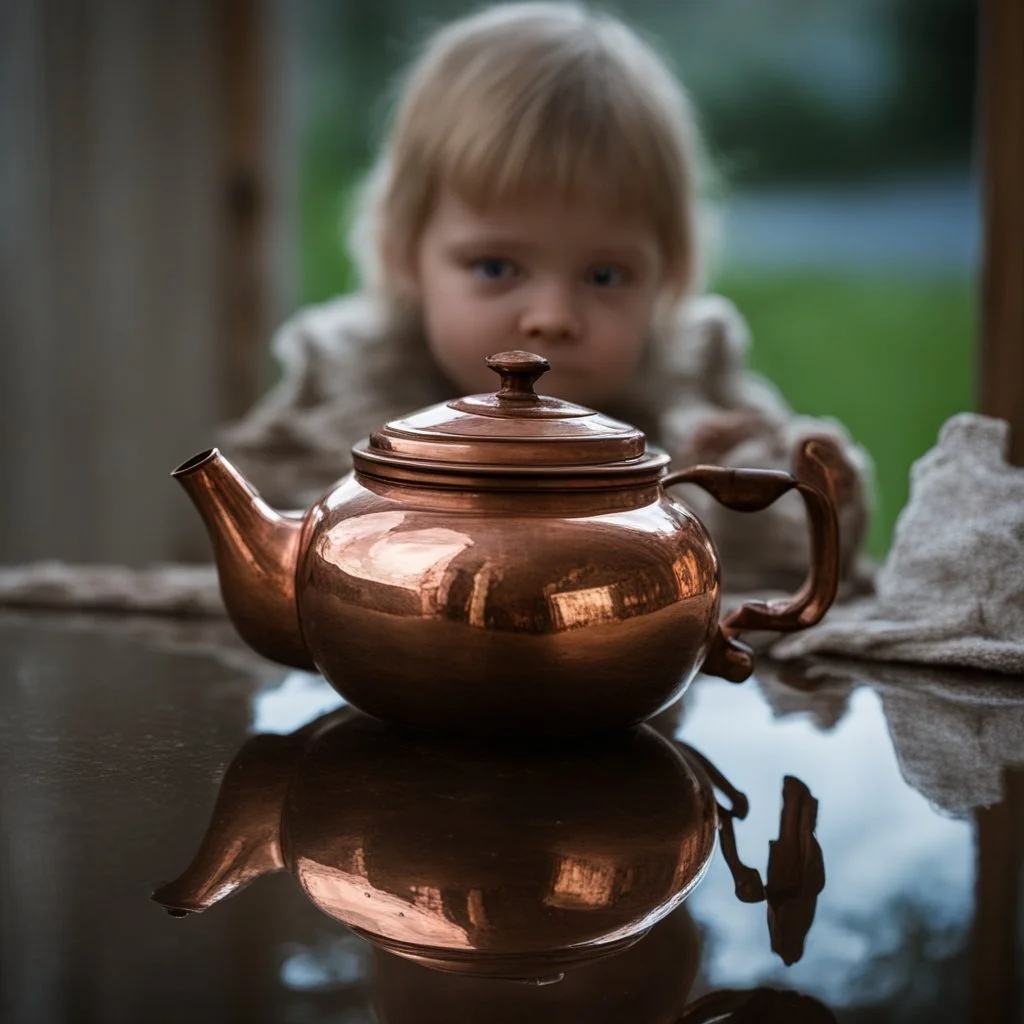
x=513, y=433
x=519, y=371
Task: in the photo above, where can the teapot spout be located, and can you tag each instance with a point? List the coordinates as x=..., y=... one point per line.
x=243, y=839
x=257, y=552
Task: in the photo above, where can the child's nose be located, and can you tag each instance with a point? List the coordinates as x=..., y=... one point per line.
x=551, y=316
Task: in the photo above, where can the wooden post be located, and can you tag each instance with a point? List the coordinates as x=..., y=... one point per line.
x=240, y=37
x=996, y=953
x=996, y=982
x=1002, y=146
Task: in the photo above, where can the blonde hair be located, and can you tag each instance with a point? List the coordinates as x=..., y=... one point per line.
x=523, y=99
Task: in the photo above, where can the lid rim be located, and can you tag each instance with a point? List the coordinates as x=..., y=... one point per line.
x=651, y=464
x=509, y=407
x=417, y=434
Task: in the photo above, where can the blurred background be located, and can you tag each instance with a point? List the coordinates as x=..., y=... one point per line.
x=175, y=181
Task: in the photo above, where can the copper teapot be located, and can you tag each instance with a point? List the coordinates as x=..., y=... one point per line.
x=502, y=562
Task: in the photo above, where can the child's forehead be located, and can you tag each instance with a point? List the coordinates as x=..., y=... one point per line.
x=529, y=214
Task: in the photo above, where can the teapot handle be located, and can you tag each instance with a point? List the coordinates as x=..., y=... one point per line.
x=751, y=490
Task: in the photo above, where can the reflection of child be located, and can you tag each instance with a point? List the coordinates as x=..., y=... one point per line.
x=537, y=191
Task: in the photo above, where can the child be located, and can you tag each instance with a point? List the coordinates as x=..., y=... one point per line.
x=538, y=190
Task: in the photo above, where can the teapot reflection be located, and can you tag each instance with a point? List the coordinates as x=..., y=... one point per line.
x=651, y=982
x=495, y=861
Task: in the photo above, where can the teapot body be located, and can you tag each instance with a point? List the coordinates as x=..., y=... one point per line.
x=540, y=610
x=490, y=858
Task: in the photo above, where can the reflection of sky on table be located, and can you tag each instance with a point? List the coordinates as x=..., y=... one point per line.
x=299, y=698
x=889, y=856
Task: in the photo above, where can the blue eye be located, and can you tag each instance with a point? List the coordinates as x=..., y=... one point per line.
x=607, y=276
x=494, y=269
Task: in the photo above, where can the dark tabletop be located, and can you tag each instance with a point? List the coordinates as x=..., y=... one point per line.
x=115, y=734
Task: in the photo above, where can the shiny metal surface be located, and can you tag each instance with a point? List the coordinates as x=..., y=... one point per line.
x=536, y=591
x=746, y=490
x=115, y=735
x=650, y=982
x=504, y=619
x=497, y=861
x=512, y=429
x=256, y=550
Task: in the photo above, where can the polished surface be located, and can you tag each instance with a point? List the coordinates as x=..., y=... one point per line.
x=511, y=432
x=751, y=490
x=906, y=801
x=496, y=578
x=256, y=550
x=503, y=861
x=503, y=619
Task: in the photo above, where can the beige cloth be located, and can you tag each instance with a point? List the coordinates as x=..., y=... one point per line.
x=952, y=589
x=178, y=590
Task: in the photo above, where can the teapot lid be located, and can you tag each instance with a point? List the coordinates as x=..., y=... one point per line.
x=513, y=432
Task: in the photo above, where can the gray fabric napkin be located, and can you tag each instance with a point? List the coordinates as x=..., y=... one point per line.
x=951, y=591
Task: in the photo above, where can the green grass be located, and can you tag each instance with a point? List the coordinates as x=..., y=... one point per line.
x=890, y=356
x=326, y=270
